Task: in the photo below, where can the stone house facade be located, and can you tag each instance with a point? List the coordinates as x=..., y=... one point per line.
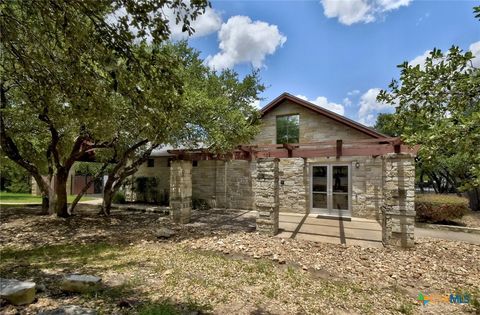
x=305, y=160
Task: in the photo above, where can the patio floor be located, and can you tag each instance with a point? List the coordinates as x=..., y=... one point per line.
x=362, y=232
x=358, y=231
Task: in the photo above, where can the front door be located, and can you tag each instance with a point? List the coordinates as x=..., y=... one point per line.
x=330, y=190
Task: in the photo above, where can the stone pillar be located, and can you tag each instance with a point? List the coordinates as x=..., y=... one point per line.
x=292, y=186
x=181, y=191
x=265, y=190
x=398, y=200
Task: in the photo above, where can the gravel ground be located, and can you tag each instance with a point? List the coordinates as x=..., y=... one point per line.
x=223, y=268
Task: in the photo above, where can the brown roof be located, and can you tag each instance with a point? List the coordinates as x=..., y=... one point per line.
x=322, y=111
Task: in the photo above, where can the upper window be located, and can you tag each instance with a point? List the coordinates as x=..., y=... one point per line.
x=288, y=129
x=150, y=163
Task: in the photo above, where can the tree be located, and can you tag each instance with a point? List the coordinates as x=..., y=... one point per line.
x=215, y=111
x=69, y=71
x=386, y=124
x=13, y=178
x=439, y=108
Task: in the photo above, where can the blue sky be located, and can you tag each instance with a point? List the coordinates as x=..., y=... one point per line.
x=337, y=53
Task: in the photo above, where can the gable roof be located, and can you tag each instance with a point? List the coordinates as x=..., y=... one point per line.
x=322, y=111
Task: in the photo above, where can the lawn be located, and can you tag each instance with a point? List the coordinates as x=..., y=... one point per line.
x=208, y=268
x=8, y=197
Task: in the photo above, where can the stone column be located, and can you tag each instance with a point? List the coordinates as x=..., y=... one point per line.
x=398, y=200
x=265, y=190
x=181, y=191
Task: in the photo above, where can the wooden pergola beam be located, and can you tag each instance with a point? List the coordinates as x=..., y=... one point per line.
x=337, y=148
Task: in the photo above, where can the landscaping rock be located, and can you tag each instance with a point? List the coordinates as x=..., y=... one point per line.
x=164, y=233
x=40, y=287
x=17, y=292
x=69, y=310
x=80, y=283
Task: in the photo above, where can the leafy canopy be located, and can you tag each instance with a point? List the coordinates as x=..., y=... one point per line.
x=439, y=108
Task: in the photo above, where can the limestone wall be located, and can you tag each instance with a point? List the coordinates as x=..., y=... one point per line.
x=366, y=183
x=313, y=126
x=223, y=184
x=160, y=171
x=399, y=200
x=266, y=195
x=181, y=191
x=293, y=190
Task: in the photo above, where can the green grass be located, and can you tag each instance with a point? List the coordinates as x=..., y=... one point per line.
x=7, y=197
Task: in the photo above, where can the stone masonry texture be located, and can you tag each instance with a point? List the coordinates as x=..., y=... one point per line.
x=399, y=200
x=265, y=188
x=181, y=191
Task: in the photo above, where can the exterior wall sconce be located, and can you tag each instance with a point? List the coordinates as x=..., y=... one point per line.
x=357, y=164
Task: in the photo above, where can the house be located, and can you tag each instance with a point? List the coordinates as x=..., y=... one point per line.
x=305, y=159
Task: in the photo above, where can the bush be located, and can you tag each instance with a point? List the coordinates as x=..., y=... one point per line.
x=119, y=197
x=440, y=208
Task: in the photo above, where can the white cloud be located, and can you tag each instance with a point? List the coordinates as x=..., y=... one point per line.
x=420, y=60
x=388, y=5
x=245, y=41
x=475, y=49
x=370, y=107
x=353, y=92
x=207, y=23
x=256, y=103
x=347, y=101
x=323, y=102
x=350, y=12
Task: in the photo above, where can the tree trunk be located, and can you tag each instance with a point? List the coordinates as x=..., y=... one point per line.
x=474, y=199
x=61, y=207
x=108, y=193
x=85, y=188
x=45, y=204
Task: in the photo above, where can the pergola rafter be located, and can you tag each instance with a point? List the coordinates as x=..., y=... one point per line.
x=333, y=148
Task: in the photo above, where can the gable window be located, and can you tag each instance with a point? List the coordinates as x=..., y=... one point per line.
x=150, y=163
x=288, y=129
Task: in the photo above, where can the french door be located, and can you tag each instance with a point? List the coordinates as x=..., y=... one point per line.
x=331, y=189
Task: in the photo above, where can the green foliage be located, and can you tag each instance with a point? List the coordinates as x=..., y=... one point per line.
x=440, y=208
x=89, y=168
x=71, y=72
x=218, y=112
x=200, y=204
x=119, y=198
x=13, y=178
x=386, y=124
x=476, y=11
x=439, y=108
x=146, y=189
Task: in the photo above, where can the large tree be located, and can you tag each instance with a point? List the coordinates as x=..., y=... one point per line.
x=438, y=107
x=72, y=70
x=214, y=112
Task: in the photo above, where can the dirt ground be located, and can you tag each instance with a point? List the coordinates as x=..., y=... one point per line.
x=471, y=219
x=218, y=264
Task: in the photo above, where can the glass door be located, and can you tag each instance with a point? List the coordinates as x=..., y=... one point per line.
x=331, y=190
x=320, y=187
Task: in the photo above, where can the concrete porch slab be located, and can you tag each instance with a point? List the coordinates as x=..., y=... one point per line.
x=358, y=231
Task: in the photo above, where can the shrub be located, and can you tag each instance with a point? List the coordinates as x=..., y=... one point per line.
x=119, y=197
x=200, y=204
x=440, y=208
